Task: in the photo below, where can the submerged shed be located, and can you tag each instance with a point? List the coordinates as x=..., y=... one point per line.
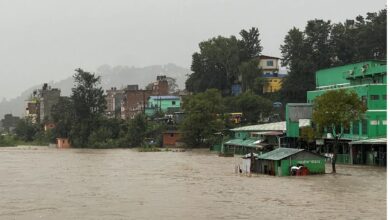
x=280, y=161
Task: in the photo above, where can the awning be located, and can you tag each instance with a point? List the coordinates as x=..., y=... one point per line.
x=269, y=133
x=370, y=141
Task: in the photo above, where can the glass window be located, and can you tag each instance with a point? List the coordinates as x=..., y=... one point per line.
x=364, y=127
x=347, y=130
x=173, y=102
x=384, y=122
x=364, y=100
x=374, y=97
x=270, y=63
x=355, y=129
x=373, y=122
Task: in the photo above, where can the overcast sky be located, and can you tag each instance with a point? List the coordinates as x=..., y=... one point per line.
x=45, y=40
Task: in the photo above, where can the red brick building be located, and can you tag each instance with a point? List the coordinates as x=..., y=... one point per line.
x=134, y=101
x=172, y=139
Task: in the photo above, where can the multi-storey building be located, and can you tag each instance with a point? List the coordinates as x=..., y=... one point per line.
x=48, y=97
x=113, y=101
x=368, y=80
x=163, y=103
x=134, y=101
x=272, y=77
x=39, y=105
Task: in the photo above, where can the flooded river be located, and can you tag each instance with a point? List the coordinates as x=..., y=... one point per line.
x=48, y=183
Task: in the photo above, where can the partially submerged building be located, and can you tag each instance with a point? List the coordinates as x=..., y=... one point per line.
x=280, y=161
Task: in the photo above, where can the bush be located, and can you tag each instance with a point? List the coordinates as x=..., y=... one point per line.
x=7, y=141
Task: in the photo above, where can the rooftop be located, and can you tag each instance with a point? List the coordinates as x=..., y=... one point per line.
x=279, y=153
x=167, y=97
x=276, y=126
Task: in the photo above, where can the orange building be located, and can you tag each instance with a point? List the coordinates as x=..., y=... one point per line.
x=63, y=143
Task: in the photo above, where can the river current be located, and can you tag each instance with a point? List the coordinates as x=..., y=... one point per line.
x=50, y=183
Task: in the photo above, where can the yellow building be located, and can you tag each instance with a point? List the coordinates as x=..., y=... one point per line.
x=270, y=67
x=273, y=83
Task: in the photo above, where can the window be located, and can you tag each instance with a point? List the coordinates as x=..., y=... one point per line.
x=384, y=122
x=373, y=122
x=364, y=100
x=374, y=97
x=347, y=129
x=355, y=128
x=270, y=62
x=384, y=97
x=364, y=127
x=173, y=102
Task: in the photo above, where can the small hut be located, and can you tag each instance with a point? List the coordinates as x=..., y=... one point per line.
x=172, y=139
x=63, y=143
x=280, y=162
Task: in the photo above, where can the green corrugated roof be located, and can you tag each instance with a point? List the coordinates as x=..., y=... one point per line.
x=279, y=153
x=241, y=142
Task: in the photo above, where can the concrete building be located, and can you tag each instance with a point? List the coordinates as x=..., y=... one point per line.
x=33, y=108
x=114, y=98
x=39, y=105
x=134, y=101
x=163, y=103
x=48, y=97
x=269, y=65
x=161, y=87
x=369, y=80
x=271, y=73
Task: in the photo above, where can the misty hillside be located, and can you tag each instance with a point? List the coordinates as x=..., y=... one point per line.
x=117, y=76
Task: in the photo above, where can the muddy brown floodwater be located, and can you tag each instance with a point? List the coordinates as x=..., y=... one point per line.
x=48, y=183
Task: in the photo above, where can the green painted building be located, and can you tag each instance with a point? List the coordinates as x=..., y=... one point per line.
x=369, y=80
x=279, y=161
x=163, y=104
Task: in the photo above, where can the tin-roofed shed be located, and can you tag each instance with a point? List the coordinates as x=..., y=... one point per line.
x=279, y=161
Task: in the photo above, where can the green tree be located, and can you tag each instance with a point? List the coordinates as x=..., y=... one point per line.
x=137, y=131
x=249, y=44
x=89, y=105
x=63, y=117
x=202, y=118
x=334, y=110
x=217, y=64
x=25, y=130
x=249, y=72
x=295, y=57
x=253, y=107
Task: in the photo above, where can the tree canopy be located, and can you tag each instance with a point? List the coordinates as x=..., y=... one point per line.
x=89, y=104
x=323, y=44
x=217, y=64
x=334, y=111
x=202, y=118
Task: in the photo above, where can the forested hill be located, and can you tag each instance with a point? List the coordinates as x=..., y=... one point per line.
x=116, y=76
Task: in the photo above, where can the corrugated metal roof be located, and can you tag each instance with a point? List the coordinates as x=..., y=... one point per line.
x=164, y=97
x=276, y=126
x=241, y=142
x=279, y=153
x=370, y=141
